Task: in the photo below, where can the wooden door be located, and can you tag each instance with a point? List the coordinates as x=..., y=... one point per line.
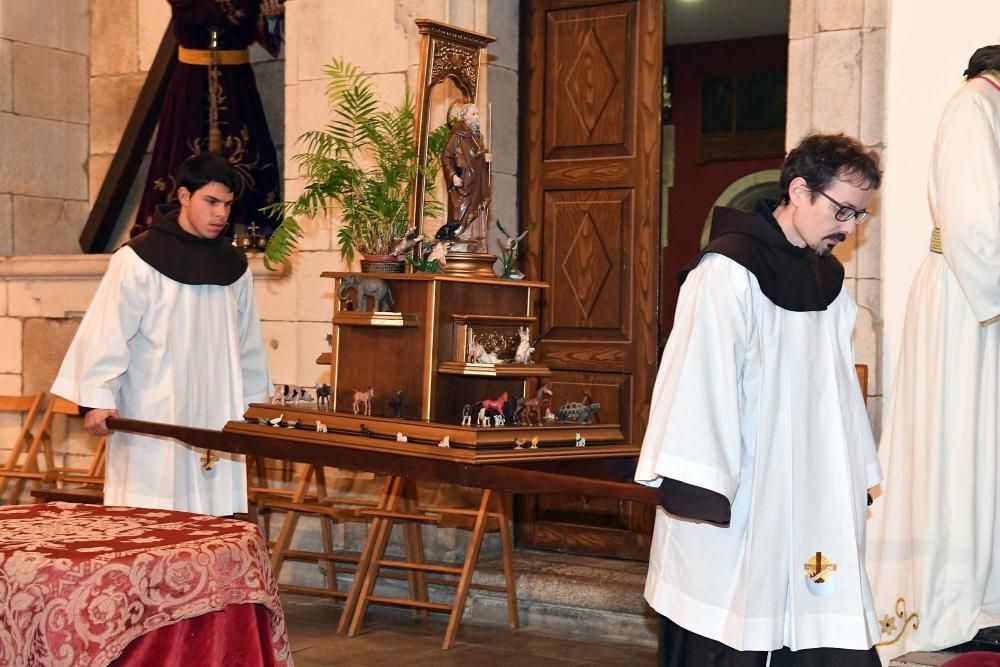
x=590, y=145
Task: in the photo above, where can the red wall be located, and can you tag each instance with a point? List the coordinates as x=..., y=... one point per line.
x=696, y=187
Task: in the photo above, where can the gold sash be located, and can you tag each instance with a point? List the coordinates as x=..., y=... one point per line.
x=204, y=56
x=936, y=240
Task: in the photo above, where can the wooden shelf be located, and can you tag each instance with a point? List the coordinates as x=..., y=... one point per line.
x=494, y=370
x=440, y=277
x=350, y=318
x=469, y=444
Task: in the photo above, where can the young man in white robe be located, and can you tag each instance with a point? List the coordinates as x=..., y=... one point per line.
x=758, y=440
x=172, y=335
x=933, y=548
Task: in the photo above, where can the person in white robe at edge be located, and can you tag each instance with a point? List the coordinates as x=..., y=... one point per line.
x=758, y=439
x=173, y=336
x=933, y=547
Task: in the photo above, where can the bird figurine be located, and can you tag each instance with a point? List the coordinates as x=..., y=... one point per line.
x=508, y=253
x=405, y=242
x=439, y=253
x=277, y=420
x=292, y=423
x=445, y=442
x=534, y=443
x=262, y=420
x=519, y=443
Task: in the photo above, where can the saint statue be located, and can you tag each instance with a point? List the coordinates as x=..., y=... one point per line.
x=465, y=165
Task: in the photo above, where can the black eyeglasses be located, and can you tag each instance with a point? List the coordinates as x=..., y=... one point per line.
x=845, y=212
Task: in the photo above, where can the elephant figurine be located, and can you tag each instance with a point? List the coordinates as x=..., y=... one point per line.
x=376, y=288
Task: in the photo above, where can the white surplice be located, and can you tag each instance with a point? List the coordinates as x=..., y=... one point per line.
x=934, y=531
x=761, y=405
x=159, y=350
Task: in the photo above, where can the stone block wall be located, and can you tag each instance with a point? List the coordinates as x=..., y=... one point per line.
x=836, y=83
x=44, y=117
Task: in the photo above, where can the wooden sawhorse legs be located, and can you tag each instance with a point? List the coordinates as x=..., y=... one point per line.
x=400, y=506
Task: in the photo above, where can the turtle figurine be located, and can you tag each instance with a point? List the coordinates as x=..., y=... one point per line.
x=578, y=412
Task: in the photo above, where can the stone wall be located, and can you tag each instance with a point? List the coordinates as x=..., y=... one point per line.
x=836, y=65
x=44, y=50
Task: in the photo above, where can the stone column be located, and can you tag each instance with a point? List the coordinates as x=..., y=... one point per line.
x=44, y=48
x=836, y=82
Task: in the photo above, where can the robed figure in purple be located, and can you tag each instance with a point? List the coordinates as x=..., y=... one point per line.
x=212, y=104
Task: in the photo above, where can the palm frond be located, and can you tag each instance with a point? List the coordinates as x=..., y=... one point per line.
x=365, y=162
x=282, y=243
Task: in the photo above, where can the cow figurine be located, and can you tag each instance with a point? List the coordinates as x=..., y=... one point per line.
x=285, y=393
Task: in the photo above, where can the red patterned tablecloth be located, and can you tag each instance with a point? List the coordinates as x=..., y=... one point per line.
x=78, y=583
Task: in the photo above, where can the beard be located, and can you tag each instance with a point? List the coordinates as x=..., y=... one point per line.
x=474, y=124
x=826, y=250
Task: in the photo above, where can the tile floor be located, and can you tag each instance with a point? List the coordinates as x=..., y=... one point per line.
x=396, y=637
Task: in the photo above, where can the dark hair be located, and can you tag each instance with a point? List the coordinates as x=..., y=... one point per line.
x=199, y=170
x=986, y=57
x=820, y=158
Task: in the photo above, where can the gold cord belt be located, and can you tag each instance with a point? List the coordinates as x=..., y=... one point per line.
x=205, y=57
x=936, y=240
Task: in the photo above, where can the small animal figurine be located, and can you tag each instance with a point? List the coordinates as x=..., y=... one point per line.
x=519, y=443
x=581, y=413
x=320, y=427
x=322, y=396
x=277, y=420
x=285, y=393
x=497, y=403
x=478, y=355
x=549, y=417
x=467, y=414
x=262, y=420
x=396, y=405
x=528, y=408
x=365, y=288
x=483, y=419
x=534, y=443
x=292, y=423
x=580, y=441
x=400, y=437
x=445, y=442
x=363, y=399
x=524, y=349
x=498, y=420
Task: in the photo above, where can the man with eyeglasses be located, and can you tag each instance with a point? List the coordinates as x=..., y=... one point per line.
x=933, y=535
x=758, y=440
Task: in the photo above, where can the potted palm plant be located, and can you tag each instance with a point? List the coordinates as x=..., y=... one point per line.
x=362, y=165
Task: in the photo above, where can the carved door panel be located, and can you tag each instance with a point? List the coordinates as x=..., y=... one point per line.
x=590, y=197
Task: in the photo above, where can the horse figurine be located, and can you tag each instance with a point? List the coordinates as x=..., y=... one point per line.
x=526, y=407
x=497, y=403
x=364, y=398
